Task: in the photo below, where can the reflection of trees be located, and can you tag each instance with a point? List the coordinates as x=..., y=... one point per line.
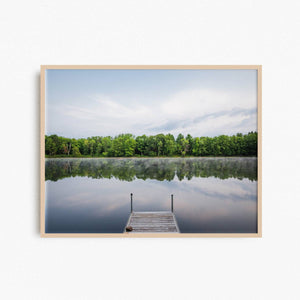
x=152, y=168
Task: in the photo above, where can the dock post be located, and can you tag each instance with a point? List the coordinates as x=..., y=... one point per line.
x=172, y=203
x=131, y=202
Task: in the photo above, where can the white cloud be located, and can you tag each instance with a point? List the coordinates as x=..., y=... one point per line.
x=207, y=112
x=195, y=111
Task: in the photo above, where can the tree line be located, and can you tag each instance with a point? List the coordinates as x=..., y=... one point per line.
x=127, y=145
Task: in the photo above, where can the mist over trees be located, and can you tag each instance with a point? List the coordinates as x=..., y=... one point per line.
x=127, y=145
x=153, y=168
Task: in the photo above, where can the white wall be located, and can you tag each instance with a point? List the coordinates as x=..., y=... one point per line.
x=149, y=32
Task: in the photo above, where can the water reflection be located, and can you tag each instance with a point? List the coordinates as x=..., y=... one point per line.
x=92, y=195
x=152, y=168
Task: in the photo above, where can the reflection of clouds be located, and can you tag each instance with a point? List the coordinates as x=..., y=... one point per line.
x=200, y=204
x=217, y=204
x=212, y=187
x=226, y=189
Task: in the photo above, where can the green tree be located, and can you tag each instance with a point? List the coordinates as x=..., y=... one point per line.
x=170, y=145
x=107, y=146
x=160, y=144
x=141, y=144
x=75, y=151
x=92, y=147
x=129, y=146
x=190, y=140
x=184, y=147
x=50, y=146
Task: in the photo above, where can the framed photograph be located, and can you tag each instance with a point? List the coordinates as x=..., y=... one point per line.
x=151, y=151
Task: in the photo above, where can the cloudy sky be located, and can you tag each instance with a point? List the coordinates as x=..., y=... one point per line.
x=83, y=103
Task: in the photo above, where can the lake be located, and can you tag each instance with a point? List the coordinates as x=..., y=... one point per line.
x=92, y=195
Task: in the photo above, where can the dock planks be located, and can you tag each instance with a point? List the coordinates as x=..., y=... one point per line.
x=152, y=222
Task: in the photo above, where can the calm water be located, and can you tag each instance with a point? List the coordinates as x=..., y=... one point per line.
x=211, y=195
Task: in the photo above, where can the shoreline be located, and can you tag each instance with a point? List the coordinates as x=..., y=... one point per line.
x=152, y=157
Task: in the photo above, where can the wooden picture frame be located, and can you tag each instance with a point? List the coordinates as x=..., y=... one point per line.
x=44, y=68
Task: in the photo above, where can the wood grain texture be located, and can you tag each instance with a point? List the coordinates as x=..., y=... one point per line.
x=150, y=222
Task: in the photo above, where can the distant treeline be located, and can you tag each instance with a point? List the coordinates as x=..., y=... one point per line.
x=126, y=145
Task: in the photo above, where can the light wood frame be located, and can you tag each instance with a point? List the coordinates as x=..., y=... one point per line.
x=162, y=67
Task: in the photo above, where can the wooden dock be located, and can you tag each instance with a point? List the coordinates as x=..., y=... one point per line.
x=152, y=222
